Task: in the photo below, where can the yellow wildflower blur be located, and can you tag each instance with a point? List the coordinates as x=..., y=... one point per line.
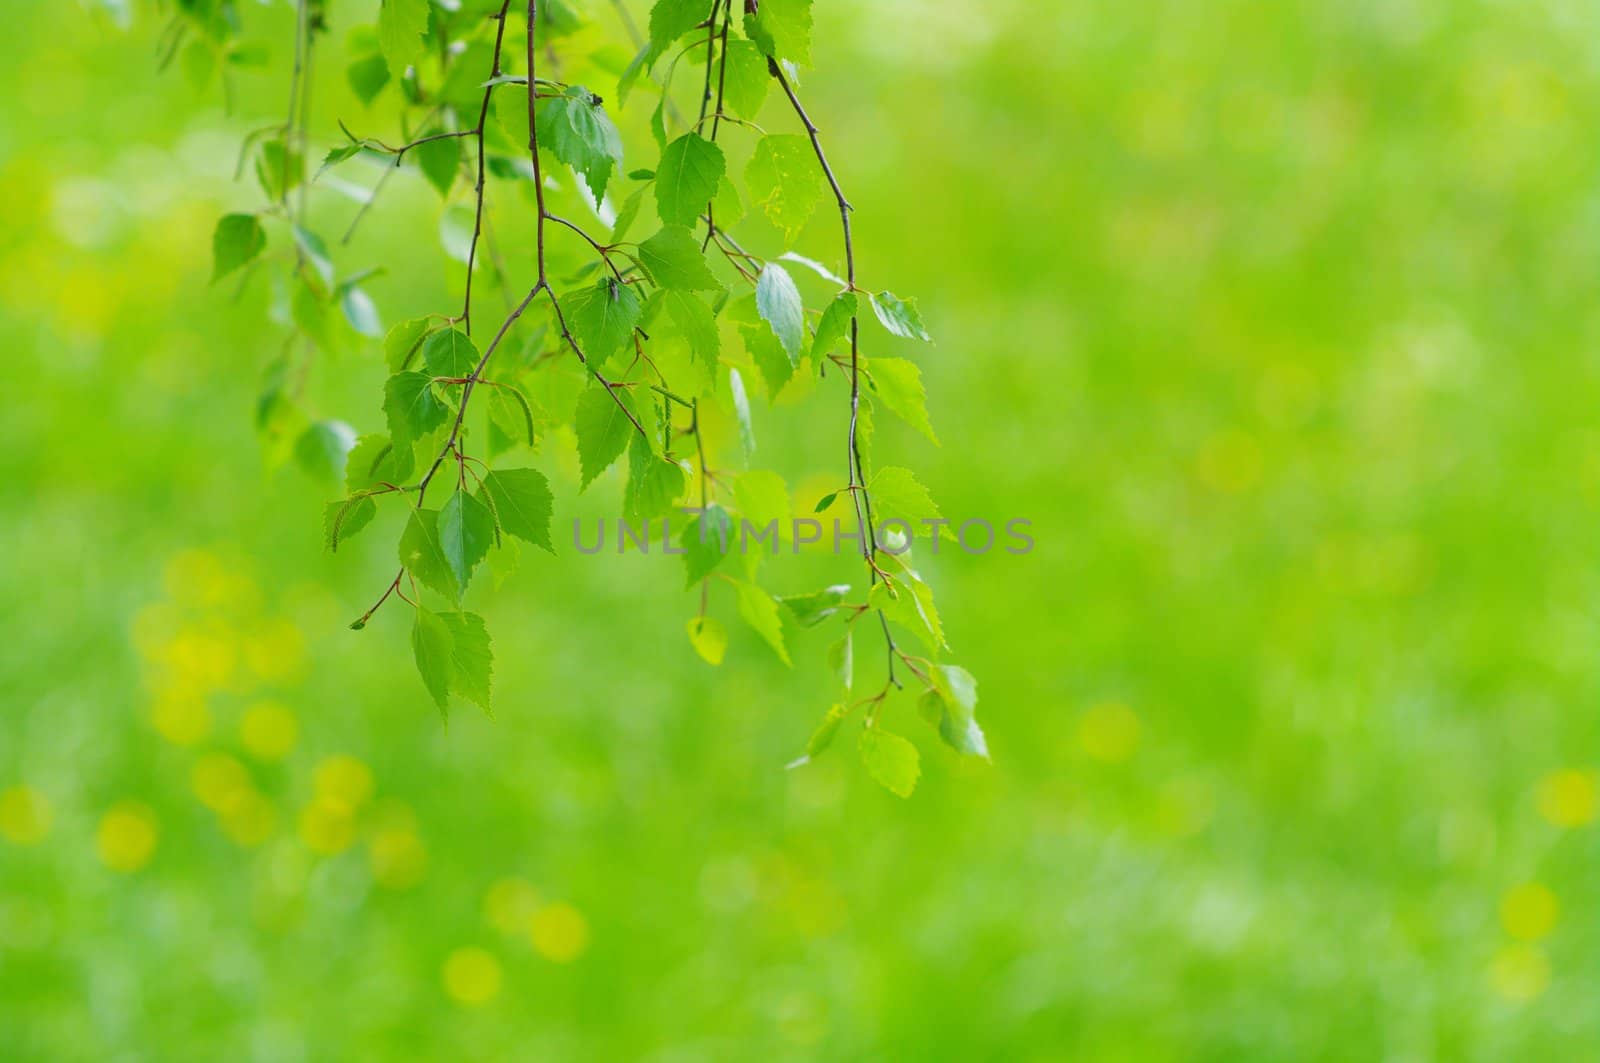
x=126, y=839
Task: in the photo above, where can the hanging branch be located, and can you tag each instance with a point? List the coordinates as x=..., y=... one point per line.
x=669, y=280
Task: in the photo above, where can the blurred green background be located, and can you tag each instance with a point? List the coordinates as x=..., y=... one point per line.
x=1275, y=319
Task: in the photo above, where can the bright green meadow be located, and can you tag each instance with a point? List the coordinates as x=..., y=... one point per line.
x=1275, y=320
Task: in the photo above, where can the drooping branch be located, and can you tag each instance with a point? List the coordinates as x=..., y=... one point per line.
x=477, y=132
x=860, y=496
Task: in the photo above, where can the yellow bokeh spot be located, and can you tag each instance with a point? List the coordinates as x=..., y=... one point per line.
x=509, y=905
x=1229, y=462
x=180, y=715
x=249, y=819
x=202, y=579
x=268, y=730
x=343, y=779
x=399, y=859
x=25, y=815
x=327, y=826
x=1520, y=972
x=219, y=781
x=472, y=976
x=1570, y=798
x=127, y=836
x=275, y=651
x=559, y=932
x=1530, y=911
x=200, y=659
x=1109, y=732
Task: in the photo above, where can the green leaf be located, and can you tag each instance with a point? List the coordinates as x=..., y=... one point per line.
x=374, y=460
x=686, y=179
x=899, y=316
x=763, y=498
x=512, y=419
x=337, y=155
x=511, y=112
x=671, y=19
x=730, y=208
x=602, y=428
x=237, y=240
x=455, y=231
x=367, y=77
x=627, y=214
x=779, y=303
x=359, y=310
x=412, y=409
x=785, y=181
x=823, y=736
x=834, y=325
x=423, y=556
x=341, y=520
x=316, y=250
x=471, y=660
x=760, y=610
x=654, y=483
x=400, y=345
x=766, y=350
x=466, y=531
x=709, y=639
x=279, y=169
x=812, y=609
x=842, y=662
x=825, y=501
x=706, y=541
x=309, y=311
x=815, y=267
x=401, y=26
x=674, y=260
x=602, y=317
x=450, y=353
x=576, y=129
x=897, y=495
x=431, y=644
x=911, y=606
x=899, y=384
x=891, y=760
x=745, y=79
x=741, y=409
x=439, y=161
x=522, y=503
x=469, y=67
x=692, y=317
x=956, y=694
x=322, y=449
x=781, y=29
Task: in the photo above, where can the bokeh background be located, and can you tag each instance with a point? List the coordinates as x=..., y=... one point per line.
x=1278, y=320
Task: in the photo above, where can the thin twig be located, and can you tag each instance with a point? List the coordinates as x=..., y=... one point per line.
x=483, y=118
x=861, y=499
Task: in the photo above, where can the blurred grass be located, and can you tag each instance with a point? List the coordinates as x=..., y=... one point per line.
x=1276, y=320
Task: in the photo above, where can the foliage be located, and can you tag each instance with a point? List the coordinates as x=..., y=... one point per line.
x=1272, y=317
x=593, y=331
